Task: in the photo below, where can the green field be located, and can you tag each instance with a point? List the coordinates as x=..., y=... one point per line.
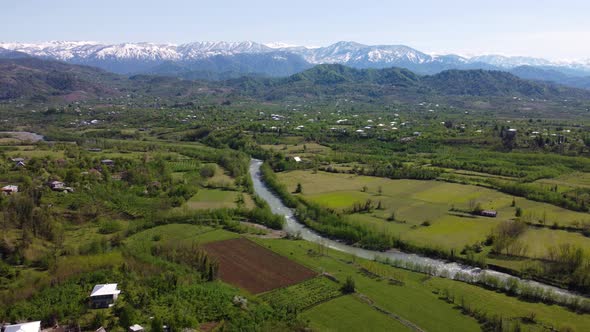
x=178, y=233
x=414, y=202
x=349, y=314
x=575, y=179
x=303, y=295
x=300, y=149
x=214, y=199
x=36, y=154
x=539, y=240
x=418, y=299
x=340, y=199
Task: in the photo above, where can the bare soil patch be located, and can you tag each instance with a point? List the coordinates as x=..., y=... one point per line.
x=248, y=265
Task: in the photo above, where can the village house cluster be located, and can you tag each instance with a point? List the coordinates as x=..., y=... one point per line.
x=102, y=296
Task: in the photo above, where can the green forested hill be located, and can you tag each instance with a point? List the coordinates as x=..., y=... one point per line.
x=40, y=79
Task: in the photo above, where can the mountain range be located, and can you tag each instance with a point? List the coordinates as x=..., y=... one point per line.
x=31, y=79
x=225, y=60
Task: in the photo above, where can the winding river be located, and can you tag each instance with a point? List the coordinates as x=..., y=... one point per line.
x=434, y=266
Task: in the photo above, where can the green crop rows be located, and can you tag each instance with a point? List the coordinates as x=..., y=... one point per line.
x=303, y=295
x=184, y=165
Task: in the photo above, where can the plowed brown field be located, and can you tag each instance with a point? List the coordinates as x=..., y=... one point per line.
x=248, y=265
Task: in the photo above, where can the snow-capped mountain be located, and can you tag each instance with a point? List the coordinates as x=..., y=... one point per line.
x=502, y=61
x=272, y=59
x=199, y=50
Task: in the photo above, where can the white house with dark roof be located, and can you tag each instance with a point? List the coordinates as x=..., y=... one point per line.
x=24, y=327
x=9, y=189
x=104, y=295
x=57, y=185
x=136, y=328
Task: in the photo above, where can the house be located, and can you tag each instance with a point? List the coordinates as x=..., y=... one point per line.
x=489, y=213
x=9, y=189
x=57, y=185
x=297, y=159
x=104, y=295
x=19, y=162
x=107, y=162
x=60, y=186
x=135, y=328
x=24, y=327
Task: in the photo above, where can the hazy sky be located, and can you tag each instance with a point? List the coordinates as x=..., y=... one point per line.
x=551, y=29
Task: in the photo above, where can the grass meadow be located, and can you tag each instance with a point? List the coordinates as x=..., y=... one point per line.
x=422, y=210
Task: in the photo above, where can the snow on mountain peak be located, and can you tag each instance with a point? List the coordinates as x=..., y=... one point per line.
x=343, y=52
x=280, y=45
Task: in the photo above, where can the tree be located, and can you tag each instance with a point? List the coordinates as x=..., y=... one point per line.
x=208, y=171
x=299, y=189
x=126, y=315
x=348, y=286
x=157, y=325
x=505, y=237
x=380, y=190
x=518, y=212
x=240, y=200
x=391, y=217
x=477, y=209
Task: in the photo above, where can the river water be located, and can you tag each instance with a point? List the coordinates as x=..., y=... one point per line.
x=434, y=266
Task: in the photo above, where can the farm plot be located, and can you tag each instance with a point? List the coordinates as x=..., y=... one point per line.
x=414, y=202
x=248, y=265
x=349, y=314
x=215, y=199
x=303, y=295
x=184, y=165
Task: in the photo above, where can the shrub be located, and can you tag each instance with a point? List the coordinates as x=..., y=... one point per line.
x=348, y=286
x=208, y=171
x=109, y=226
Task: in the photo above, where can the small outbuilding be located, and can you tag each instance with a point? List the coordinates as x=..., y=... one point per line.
x=24, y=327
x=57, y=185
x=9, y=189
x=136, y=328
x=107, y=162
x=297, y=159
x=489, y=213
x=104, y=295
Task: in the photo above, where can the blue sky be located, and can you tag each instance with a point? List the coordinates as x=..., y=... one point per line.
x=551, y=29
